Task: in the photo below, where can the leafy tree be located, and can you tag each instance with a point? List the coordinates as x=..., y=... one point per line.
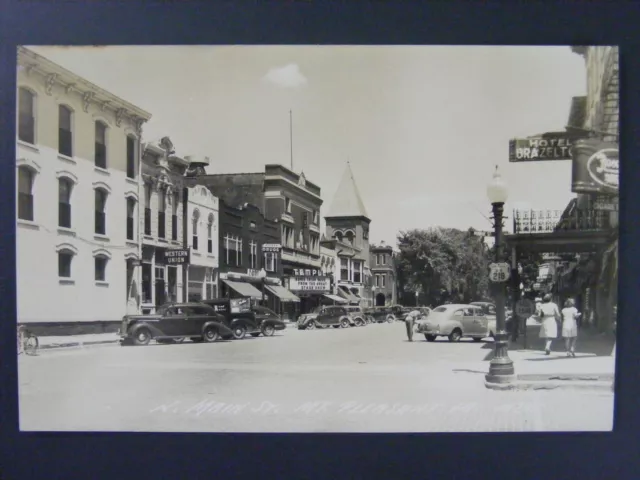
x=444, y=263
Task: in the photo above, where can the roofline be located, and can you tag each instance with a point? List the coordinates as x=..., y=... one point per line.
x=35, y=61
x=347, y=217
x=290, y=171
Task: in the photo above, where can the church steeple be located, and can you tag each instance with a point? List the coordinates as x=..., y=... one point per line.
x=347, y=201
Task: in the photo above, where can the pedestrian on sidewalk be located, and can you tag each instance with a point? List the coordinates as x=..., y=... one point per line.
x=409, y=320
x=570, y=317
x=549, y=313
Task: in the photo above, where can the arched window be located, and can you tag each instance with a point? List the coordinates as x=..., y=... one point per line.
x=65, y=137
x=194, y=232
x=210, y=234
x=65, y=185
x=100, y=209
x=349, y=237
x=131, y=210
x=100, y=151
x=25, y=193
x=131, y=156
x=26, y=115
x=65, y=257
x=338, y=236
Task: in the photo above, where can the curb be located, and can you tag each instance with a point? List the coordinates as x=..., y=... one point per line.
x=593, y=382
x=76, y=344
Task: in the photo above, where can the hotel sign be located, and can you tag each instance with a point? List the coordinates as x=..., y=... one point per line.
x=310, y=284
x=596, y=167
x=548, y=146
x=177, y=257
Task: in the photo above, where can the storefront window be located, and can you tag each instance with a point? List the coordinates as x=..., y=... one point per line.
x=270, y=262
x=146, y=283
x=253, y=254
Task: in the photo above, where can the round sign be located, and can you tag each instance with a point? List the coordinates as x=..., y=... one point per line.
x=525, y=308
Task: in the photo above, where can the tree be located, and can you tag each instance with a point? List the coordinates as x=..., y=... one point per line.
x=444, y=263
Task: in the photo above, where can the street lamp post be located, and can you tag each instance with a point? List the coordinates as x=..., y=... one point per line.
x=417, y=295
x=501, y=371
x=262, y=275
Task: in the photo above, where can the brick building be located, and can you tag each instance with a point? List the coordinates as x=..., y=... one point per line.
x=294, y=202
x=347, y=228
x=383, y=275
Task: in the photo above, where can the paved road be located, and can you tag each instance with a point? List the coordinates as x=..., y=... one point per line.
x=366, y=379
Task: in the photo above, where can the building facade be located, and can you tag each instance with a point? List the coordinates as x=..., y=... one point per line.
x=383, y=275
x=347, y=227
x=164, y=201
x=294, y=202
x=203, y=236
x=80, y=144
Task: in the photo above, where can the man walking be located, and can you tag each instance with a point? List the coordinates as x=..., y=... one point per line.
x=409, y=321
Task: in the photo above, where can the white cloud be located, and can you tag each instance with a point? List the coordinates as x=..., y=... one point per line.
x=288, y=76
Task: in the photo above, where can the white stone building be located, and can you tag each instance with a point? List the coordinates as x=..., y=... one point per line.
x=77, y=144
x=203, y=234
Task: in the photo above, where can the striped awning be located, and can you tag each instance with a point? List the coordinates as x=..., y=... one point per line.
x=282, y=293
x=244, y=289
x=335, y=298
x=348, y=296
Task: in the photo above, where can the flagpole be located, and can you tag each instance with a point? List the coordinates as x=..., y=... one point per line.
x=291, y=137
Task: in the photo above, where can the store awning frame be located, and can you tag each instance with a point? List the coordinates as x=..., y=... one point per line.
x=285, y=296
x=335, y=298
x=244, y=289
x=348, y=296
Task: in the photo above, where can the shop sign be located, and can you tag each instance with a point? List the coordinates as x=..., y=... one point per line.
x=607, y=204
x=595, y=167
x=239, y=305
x=309, y=284
x=177, y=257
x=307, y=272
x=271, y=247
x=548, y=146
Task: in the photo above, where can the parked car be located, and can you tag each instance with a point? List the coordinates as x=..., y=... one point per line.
x=370, y=314
x=241, y=318
x=490, y=311
x=387, y=314
x=455, y=321
x=173, y=322
x=356, y=316
x=268, y=320
x=325, y=316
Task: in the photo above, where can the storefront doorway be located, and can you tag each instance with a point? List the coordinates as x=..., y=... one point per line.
x=160, y=286
x=380, y=300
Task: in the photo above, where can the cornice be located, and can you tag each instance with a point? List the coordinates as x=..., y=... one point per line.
x=54, y=74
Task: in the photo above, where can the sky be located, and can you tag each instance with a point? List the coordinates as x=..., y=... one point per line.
x=423, y=127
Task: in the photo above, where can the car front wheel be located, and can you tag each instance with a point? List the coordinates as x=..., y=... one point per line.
x=143, y=337
x=391, y=318
x=430, y=338
x=455, y=335
x=311, y=325
x=344, y=323
x=239, y=332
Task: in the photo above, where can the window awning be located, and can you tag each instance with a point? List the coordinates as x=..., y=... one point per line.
x=244, y=289
x=348, y=296
x=335, y=298
x=282, y=293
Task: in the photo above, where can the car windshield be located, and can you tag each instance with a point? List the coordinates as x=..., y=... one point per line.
x=317, y=310
x=440, y=309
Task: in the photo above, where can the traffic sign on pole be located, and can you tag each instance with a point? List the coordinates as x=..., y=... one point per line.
x=525, y=308
x=499, y=272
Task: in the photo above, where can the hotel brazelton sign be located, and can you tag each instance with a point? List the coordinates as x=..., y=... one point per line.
x=310, y=284
x=596, y=167
x=544, y=147
x=177, y=257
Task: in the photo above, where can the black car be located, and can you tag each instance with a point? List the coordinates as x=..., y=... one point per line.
x=241, y=318
x=357, y=317
x=386, y=314
x=173, y=322
x=325, y=316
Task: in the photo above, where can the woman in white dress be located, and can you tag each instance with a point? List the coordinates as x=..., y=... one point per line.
x=570, y=317
x=549, y=313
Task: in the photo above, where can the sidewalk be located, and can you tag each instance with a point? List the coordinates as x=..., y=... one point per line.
x=80, y=341
x=593, y=367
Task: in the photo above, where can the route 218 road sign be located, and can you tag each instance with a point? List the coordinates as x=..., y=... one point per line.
x=499, y=272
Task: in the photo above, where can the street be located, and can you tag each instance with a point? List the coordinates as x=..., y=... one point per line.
x=367, y=379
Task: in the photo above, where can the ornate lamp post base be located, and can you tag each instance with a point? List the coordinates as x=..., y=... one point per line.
x=501, y=372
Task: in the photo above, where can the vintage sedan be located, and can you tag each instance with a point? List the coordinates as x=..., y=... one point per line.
x=173, y=322
x=357, y=317
x=324, y=316
x=490, y=311
x=455, y=321
x=268, y=320
x=385, y=314
x=242, y=318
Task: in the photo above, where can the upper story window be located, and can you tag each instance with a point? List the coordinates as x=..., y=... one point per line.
x=194, y=234
x=174, y=216
x=26, y=115
x=65, y=185
x=287, y=205
x=147, y=209
x=253, y=254
x=131, y=156
x=357, y=271
x=100, y=215
x=338, y=236
x=131, y=210
x=25, y=193
x=350, y=237
x=65, y=256
x=100, y=149
x=316, y=217
x=344, y=269
x=210, y=234
x=162, y=205
x=65, y=137
x=270, y=261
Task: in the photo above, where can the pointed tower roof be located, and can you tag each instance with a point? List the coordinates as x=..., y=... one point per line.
x=347, y=201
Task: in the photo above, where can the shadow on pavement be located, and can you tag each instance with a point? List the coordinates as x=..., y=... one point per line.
x=466, y=370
